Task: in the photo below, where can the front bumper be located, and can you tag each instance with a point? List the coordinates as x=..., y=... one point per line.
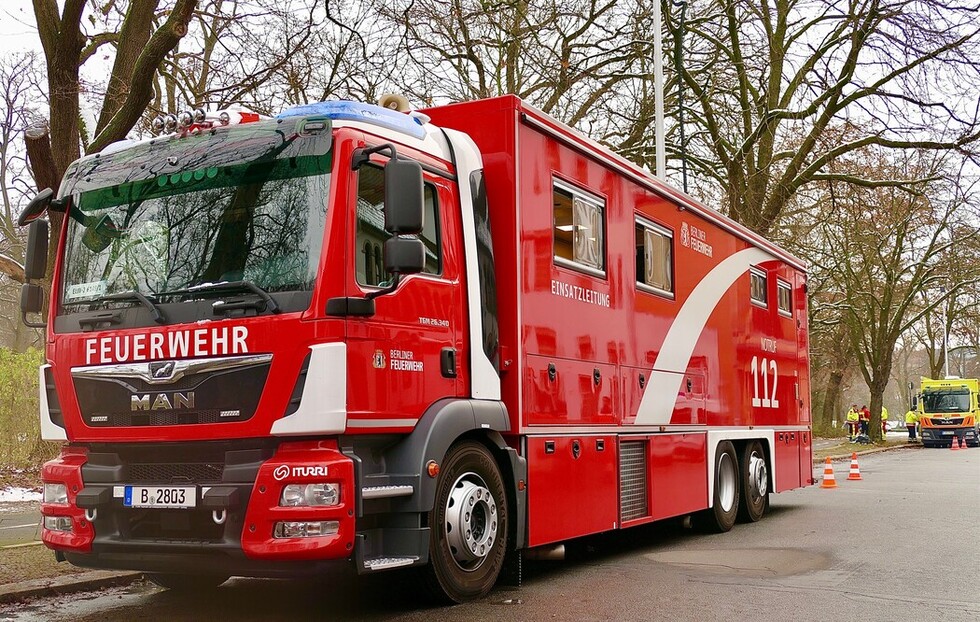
x=231, y=528
x=947, y=434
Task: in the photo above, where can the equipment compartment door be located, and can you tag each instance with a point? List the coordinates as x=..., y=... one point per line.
x=787, y=460
x=572, y=487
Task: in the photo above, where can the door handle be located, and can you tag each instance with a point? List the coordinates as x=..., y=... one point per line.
x=447, y=362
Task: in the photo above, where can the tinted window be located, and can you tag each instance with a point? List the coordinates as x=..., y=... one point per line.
x=654, y=257
x=758, y=287
x=579, y=229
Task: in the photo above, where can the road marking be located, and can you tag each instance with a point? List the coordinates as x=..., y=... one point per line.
x=20, y=546
x=20, y=526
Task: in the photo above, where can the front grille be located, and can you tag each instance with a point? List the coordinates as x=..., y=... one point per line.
x=632, y=480
x=939, y=421
x=163, y=418
x=166, y=473
x=202, y=391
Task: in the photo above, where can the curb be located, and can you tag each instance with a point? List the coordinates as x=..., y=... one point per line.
x=81, y=582
x=874, y=450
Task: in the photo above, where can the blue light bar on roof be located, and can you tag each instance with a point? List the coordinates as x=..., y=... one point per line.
x=367, y=113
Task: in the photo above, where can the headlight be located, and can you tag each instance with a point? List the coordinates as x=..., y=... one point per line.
x=57, y=523
x=311, y=529
x=307, y=495
x=56, y=493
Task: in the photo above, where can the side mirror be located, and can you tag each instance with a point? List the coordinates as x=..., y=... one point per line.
x=31, y=298
x=404, y=255
x=36, y=259
x=403, y=197
x=31, y=301
x=36, y=207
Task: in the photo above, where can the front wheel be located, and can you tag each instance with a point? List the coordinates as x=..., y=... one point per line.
x=468, y=525
x=721, y=515
x=755, y=483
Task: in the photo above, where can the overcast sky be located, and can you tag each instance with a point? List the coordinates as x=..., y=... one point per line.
x=17, y=26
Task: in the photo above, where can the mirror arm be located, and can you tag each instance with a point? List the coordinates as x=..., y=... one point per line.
x=362, y=154
x=384, y=292
x=30, y=324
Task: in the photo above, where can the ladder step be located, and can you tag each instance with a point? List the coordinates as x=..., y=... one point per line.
x=381, y=492
x=384, y=563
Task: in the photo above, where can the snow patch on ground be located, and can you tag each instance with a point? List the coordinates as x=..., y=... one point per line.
x=17, y=494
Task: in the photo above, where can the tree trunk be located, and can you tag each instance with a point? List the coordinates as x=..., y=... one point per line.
x=877, y=387
x=831, y=398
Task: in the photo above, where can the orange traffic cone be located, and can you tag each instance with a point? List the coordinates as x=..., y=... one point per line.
x=828, y=475
x=954, y=444
x=855, y=471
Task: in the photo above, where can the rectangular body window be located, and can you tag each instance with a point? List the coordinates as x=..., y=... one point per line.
x=784, y=298
x=371, y=235
x=654, y=258
x=758, y=287
x=579, y=229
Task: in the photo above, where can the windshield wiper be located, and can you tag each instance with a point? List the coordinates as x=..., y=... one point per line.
x=133, y=296
x=229, y=286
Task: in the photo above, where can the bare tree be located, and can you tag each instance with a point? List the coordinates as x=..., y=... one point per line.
x=140, y=50
x=767, y=81
x=570, y=58
x=19, y=85
x=18, y=81
x=885, y=246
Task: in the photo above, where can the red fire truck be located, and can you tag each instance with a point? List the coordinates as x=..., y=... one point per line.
x=400, y=339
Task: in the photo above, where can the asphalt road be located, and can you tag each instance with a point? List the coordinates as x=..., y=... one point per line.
x=819, y=555
x=19, y=523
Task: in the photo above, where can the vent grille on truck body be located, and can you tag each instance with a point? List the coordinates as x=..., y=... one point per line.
x=632, y=480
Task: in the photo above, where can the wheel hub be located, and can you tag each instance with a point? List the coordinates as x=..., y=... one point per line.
x=758, y=476
x=471, y=521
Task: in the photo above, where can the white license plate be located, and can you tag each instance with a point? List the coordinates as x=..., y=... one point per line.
x=179, y=497
x=948, y=432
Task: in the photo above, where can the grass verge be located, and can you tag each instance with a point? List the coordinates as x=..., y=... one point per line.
x=845, y=447
x=23, y=563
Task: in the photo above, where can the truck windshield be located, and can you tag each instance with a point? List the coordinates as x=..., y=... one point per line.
x=946, y=401
x=249, y=207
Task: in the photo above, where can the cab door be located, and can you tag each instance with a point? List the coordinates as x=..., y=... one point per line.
x=408, y=355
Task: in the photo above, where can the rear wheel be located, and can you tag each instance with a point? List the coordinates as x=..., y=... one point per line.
x=721, y=516
x=186, y=582
x=754, y=473
x=468, y=525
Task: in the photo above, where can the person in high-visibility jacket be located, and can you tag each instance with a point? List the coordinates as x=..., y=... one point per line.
x=911, y=419
x=852, y=421
x=884, y=419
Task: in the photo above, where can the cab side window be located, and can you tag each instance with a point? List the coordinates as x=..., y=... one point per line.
x=371, y=236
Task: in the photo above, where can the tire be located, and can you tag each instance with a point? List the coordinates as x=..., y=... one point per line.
x=754, y=480
x=466, y=548
x=720, y=517
x=186, y=582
